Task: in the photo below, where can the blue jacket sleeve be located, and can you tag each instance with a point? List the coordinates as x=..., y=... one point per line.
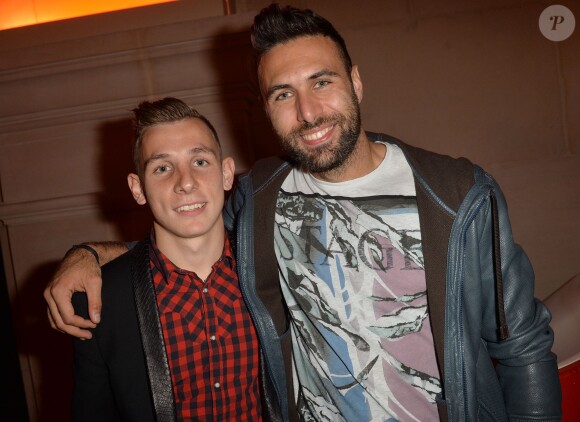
x=234, y=203
x=526, y=367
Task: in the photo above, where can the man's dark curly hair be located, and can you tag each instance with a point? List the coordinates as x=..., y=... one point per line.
x=275, y=25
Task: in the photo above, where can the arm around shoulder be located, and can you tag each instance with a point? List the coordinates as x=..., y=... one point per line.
x=79, y=271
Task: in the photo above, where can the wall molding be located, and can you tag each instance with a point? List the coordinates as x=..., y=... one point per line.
x=25, y=123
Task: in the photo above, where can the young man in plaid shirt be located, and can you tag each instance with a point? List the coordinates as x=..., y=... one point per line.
x=176, y=341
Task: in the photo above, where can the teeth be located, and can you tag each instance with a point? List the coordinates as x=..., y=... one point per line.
x=317, y=135
x=189, y=207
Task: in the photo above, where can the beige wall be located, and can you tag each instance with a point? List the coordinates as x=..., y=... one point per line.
x=475, y=79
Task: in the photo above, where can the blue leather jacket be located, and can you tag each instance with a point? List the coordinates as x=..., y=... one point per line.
x=492, y=338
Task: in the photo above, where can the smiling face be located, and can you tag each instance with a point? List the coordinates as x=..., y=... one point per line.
x=312, y=102
x=183, y=181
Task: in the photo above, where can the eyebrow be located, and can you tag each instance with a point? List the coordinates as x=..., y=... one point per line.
x=192, y=151
x=323, y=72
x=320, y=73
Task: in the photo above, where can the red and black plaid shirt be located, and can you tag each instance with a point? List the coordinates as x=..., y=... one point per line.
x=210, y=339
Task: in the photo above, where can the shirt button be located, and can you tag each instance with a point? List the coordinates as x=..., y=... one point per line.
x=217, y=385
x=205, y=289
x=212, y=338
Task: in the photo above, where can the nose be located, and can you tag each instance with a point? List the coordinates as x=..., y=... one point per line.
x=308, y=107
x=185, y=181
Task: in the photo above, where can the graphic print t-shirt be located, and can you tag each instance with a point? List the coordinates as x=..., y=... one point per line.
x=352, y=274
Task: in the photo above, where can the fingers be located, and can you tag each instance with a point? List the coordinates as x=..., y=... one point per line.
x=65, y=311
x=93, y=290
x=66, y=322
x=76, y=273
x=72, y=330
x=51, y=320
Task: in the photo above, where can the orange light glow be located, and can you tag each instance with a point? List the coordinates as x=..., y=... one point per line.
x=15, y=13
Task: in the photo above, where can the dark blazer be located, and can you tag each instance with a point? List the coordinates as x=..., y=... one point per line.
x=122, y=373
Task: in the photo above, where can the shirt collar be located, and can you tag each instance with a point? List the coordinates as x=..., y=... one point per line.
x=166, y=267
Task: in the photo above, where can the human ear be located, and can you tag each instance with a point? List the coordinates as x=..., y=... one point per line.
x=228, y=172
x=136, y=188
x=356, y=82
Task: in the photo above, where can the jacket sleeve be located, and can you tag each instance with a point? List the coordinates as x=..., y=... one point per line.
x=526, y=367
x=92, y=394
x=234, y=203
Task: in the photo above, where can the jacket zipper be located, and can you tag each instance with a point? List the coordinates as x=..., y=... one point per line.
x=245, y=247
x=471, y=214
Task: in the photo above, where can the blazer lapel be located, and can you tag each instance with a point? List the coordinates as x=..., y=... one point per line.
x=152, y=334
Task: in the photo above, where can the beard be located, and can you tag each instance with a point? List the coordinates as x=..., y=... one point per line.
x=325, y=157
